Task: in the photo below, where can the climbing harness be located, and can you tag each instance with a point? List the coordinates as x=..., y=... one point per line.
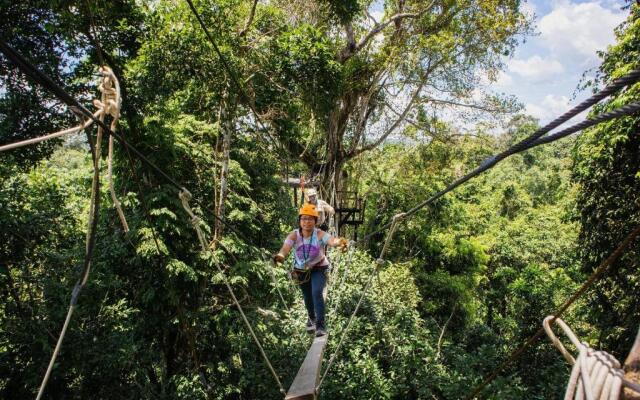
x=299, y=277
x=595, y=374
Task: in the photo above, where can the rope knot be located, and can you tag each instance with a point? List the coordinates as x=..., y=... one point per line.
x=398, y=217
x=111, y=100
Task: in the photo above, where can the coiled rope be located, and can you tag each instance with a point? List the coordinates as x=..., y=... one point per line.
x=110, y=104
x=596, y=375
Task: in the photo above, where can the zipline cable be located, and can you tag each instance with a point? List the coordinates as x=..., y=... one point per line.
x=617, y=113
x=536, y=138
x=533, y=140
x=601, y=269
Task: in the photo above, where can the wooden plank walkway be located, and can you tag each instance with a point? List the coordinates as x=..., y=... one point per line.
x=304, y=385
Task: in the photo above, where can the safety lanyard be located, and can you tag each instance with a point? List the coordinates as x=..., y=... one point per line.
x=307, y=253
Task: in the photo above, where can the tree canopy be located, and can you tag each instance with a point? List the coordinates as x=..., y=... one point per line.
x=321, y=89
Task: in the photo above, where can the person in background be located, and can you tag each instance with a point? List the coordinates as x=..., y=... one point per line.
x=311, y=264
x=325, y=211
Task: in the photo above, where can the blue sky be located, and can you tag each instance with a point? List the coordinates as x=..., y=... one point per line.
x=545, y=71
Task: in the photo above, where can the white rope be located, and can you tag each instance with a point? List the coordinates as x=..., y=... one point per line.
x=272, y=267
x=596, y=375
x=54, y=135
x=379, y=263
x=109, y=104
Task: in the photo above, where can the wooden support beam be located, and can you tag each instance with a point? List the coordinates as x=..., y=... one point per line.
x=632, y=369
x=304, y=384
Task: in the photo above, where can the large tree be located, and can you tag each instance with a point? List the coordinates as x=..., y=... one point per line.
x=357, y=81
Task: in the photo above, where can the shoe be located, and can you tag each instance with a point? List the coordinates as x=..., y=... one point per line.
x=320, y=331
x=311, y=325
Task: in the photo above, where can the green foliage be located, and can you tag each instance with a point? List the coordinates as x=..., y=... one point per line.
x=306, y=56
x=465, y=280
x=344, y=10
x=606, y=168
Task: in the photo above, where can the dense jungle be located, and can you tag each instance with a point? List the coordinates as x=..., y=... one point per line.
x=265, y=91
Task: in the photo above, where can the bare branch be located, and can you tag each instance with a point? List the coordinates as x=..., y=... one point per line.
x=379, y=27
x=393, y=126
x=474, y=106
x=370, y=16
x=247, y=24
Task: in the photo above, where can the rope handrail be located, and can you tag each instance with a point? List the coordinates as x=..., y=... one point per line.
x=185, y=197
x=92, y=224
x=379, y=263
x=87, y=123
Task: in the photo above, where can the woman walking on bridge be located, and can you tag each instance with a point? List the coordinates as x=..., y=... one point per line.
x=311, y=264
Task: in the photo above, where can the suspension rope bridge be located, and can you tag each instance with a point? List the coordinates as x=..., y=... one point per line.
x=310, y=382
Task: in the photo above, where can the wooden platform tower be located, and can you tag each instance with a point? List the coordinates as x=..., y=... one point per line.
x=349, y=212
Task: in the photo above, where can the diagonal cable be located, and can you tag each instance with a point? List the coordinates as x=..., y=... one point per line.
x=42, y=79
x=537, y=138
x=185, y=197
x=601, y=269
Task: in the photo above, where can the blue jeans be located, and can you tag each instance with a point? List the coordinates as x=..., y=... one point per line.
x=313, y=299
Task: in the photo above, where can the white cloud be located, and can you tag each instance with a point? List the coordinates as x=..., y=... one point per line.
x=503, y=79
x=575, y=31
x=550, y=107
x=536, y=68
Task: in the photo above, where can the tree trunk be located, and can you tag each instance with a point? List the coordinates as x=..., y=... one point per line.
x=632, y=369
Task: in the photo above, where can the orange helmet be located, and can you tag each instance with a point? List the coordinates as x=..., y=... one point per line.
x=308, y=209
